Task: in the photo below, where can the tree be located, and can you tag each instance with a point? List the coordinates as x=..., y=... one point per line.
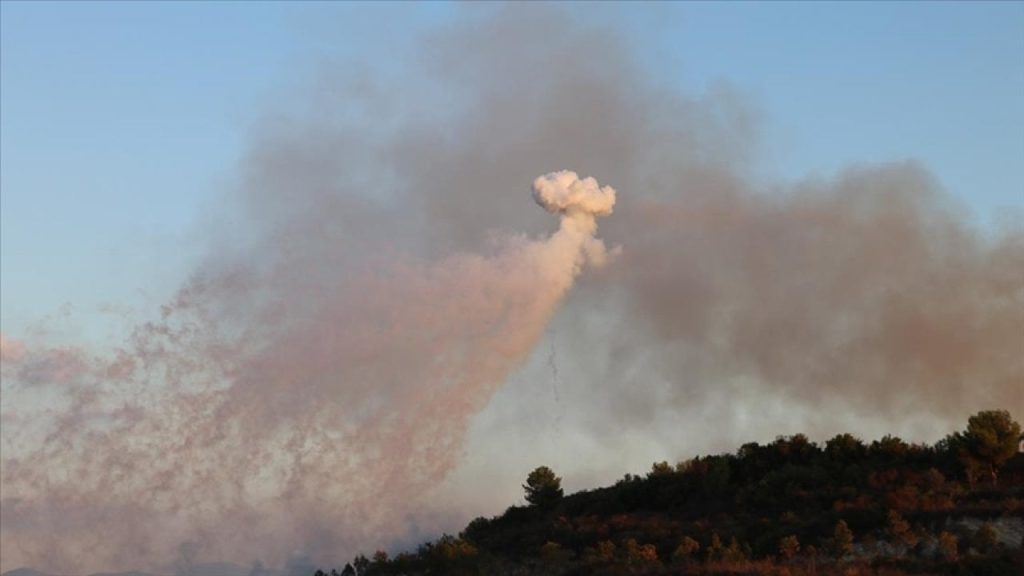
x=543, y=488
x=812, y=554
x=734, y=552
x=955, y=446
x=660, y=469
x=715, y=480
x=900, y=532
x=889, y=451
x=687, y=549
x=603, y=553
x=842, y=540
x=362, y=564
x=640, y=554
x=554, y=556
x=450, y=556
x=715, y=550
x=948, y=546
x=475, y=530
x=992, y=438
x=985, y=539
x=789, y=547
x=845, y=448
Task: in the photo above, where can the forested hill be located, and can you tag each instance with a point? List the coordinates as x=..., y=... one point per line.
x=788, y=507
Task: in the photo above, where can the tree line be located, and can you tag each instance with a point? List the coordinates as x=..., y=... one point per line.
x=791, y=506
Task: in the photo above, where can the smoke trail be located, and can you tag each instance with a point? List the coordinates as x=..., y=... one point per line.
x=318, y=433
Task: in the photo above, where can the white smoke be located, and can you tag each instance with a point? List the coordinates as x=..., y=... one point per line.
x=563, y=192
x=580, y=202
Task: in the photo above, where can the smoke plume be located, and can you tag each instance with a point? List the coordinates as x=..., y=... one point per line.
x=312, y=384
x=316, y=434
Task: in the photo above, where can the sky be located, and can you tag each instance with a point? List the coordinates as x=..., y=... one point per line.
x=273, y=228
x=120, y=122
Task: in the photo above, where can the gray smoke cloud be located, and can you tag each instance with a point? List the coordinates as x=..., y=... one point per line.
x=312, y=384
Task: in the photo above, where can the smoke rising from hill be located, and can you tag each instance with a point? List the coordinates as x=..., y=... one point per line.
x=314, y=379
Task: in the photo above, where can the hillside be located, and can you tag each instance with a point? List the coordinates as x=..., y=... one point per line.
x=788, y=507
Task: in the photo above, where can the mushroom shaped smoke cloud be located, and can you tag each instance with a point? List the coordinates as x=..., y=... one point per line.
x=579, y=202
x=564, y=192
x=315, y=427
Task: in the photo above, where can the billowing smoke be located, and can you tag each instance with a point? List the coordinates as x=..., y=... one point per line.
x=312, y=384
x=305, y=431
x=564, y=193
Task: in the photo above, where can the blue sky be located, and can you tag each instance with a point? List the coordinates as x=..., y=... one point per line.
x=120, y=124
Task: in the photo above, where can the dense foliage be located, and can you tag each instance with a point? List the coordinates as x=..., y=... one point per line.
x=788, y=507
